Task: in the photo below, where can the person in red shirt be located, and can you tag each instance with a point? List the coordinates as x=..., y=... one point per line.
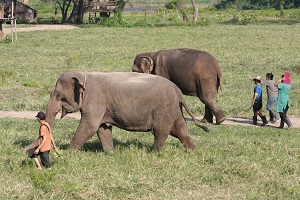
x=42, y=145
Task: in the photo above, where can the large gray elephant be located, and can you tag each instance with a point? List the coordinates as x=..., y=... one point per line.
x=130, y=101
x=196, y=73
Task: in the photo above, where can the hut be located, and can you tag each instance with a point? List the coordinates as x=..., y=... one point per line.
x=22, y=12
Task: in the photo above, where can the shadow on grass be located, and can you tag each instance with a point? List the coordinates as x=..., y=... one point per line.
x=95, y=146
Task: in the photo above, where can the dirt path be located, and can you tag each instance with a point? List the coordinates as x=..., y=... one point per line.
x=41, y=27
x=243, y=121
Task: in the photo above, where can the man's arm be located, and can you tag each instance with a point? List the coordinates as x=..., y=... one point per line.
x=41, y=145
x=279, y=81
x=254, y=97
x=44, y=138
x=54, y=146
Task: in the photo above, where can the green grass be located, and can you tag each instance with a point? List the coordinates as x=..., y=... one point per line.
x=230, y=162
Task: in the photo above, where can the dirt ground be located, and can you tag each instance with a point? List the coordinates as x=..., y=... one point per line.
x=41, y=27
x=235, y=120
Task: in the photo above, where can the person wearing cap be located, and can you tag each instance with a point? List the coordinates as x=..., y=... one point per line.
x=272, y=93
x=257, y=102
x=42, y=145
x=283, y=101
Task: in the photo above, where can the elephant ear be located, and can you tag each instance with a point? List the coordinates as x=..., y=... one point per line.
x=79, y=87
x=147, y=64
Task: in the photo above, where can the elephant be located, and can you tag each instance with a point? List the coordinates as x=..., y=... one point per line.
x=131, y=101
x=195, y=72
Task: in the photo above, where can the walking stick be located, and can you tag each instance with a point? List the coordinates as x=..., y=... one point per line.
x=244, y=111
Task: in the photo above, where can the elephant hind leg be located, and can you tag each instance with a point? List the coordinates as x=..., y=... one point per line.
x=105, y=136
x=160, y=137
x=180, y=131
x=207, y=93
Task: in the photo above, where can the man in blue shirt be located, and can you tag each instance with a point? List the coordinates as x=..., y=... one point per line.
x=257, y=102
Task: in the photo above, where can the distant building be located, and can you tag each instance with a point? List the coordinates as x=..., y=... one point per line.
x=23, y=12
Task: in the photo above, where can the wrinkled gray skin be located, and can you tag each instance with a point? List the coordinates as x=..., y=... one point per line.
x=130, y=101
x=196, y=73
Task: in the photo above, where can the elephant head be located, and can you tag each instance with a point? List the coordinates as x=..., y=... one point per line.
x=67, y=96
x=143, y=64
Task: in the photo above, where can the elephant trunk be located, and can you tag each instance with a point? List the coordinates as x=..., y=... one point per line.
x=50, y=117
x=135, y=68
x=53, y=108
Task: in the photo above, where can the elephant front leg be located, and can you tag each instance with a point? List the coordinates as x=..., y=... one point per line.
x=105, y=136
x=83, y=133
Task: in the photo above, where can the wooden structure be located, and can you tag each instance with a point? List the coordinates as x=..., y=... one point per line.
x=23, y=12
x=103, y=7
x=9, y=18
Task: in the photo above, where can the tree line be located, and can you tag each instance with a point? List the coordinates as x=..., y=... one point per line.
x=258, y=4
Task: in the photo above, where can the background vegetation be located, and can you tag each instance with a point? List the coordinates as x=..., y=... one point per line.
x=230, y=162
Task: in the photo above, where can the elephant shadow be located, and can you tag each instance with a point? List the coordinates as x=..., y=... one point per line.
x=22, y=142
x=95, y=145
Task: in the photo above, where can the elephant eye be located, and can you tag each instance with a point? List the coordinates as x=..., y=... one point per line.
x=57, y=97
x=64, y=100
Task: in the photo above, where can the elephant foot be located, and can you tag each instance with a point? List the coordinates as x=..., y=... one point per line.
x=75, y=147
x=204, y=120
x=219, y=121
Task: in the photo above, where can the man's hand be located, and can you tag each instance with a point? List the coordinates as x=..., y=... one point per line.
x=56, y=150
x=36, y=151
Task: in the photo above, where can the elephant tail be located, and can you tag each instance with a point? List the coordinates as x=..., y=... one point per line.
x=219, y=78
x=219, y=83
x=183, y=103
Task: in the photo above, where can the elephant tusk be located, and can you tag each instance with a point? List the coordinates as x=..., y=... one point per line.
x=63, y=112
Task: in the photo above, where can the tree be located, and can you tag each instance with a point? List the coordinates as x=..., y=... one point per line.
x=258, y=4
x=79, y=8
x=64, y=7
x=195, y=10
x=77, y=12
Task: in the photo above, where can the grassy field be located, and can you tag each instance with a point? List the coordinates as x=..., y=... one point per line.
x=230, y=162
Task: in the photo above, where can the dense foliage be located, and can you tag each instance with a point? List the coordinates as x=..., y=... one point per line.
x=258, y=4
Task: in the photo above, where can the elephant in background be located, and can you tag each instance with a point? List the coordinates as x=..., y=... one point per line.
x=196, y=73
x=130, y=101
